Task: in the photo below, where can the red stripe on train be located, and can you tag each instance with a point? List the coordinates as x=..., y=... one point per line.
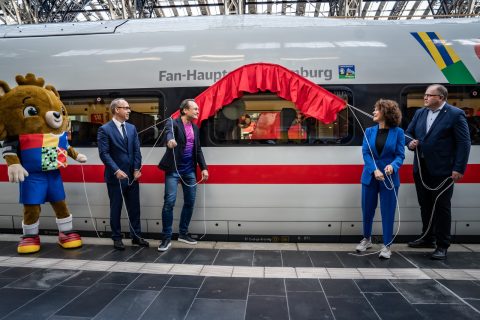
x=254, y=174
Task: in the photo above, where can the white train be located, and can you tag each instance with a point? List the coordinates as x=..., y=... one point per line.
x=284, y=179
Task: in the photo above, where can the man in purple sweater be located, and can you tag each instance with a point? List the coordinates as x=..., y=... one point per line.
x=180, y=161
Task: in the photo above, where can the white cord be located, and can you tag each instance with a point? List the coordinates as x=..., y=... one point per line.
x=175, y=161
x=188, y=185
x=126, y=209
x=389, y=178
x=88, y=202
x=436, y=198
x=128, y=180
x=431, y=189
x=396, y=197
x=204, y=214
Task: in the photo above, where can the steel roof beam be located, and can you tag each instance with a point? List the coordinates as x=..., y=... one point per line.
x=139, y=6
x=269, y=7
x=317, y=9
x=159, y=12
x=300, y=10
x=41, y=11
x=379, y=10
x=27, y=12
x=464, y=7
x=284, y=6
x=9, y=13
x=204, y=7
x=174, y=8
x=397, y=10
x=352, y=8
x=221, y=7
x=252, y=7
x=476, y=7
x=334, y=8
x=114, y=10
x=233, y=6
x=413, y=10
x=71, y=9
x=187, y=7
x=366, y=6
x=445, y=6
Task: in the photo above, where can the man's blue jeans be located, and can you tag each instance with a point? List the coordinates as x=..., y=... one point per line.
x=171, y=182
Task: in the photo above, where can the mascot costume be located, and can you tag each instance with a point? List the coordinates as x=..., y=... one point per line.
x=33, y=126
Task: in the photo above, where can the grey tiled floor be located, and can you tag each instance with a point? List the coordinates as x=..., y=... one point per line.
x=45, y=293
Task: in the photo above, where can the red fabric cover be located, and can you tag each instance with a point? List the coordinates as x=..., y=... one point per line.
x=311, y=99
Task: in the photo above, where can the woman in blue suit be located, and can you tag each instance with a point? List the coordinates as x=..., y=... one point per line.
x=383, y=153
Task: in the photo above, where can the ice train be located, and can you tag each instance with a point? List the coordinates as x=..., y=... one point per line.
x=288, y=177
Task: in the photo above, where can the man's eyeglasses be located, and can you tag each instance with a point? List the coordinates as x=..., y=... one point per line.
x=128, y=108
x=427, y=95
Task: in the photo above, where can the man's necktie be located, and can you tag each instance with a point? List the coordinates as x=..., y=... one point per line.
x=124, y=132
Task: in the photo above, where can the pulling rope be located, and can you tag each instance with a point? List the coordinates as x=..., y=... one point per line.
x=352, y=108
x=188, y=185
x=120, y=183
x=129, y=183
x=175, y=160
x=389, y=178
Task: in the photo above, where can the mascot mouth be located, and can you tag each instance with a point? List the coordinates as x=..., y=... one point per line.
x=54, y=119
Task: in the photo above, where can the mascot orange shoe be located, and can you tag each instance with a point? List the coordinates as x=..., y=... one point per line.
x=34, y=125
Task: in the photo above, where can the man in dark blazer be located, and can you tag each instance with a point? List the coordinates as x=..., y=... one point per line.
x=119, y=150
x=180, y=161
x=442, y=142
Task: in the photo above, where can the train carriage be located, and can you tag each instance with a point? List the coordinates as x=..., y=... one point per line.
x=282, y=176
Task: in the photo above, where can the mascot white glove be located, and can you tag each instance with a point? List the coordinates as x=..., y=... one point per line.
x=16, y=173
x=81, y=158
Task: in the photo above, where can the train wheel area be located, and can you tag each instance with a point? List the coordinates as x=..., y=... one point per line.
x=224, y=280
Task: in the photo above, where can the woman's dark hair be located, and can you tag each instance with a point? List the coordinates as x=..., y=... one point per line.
x=390, y=111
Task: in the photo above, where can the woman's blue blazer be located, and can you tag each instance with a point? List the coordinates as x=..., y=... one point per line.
x=393, y=153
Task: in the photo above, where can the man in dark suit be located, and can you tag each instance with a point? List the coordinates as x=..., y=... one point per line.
x=442, y=142
x=180, y=161
x=119, y=150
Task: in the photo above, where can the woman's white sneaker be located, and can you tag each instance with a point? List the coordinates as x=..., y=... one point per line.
x=385, y=253
x=364, y=245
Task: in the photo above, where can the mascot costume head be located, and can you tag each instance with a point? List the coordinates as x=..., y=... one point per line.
x=33, y=126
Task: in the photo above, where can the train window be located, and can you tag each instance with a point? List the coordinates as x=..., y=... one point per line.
x=87, y=114
x=265, y=118
x=466, y=98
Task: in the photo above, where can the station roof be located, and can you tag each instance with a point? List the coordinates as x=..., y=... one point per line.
x=51, y=11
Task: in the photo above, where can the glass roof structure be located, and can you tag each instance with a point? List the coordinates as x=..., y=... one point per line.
x=50, y=11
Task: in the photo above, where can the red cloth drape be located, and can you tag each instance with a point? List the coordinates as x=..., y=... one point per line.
x=311, y=99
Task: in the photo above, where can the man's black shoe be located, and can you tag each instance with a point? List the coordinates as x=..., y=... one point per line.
x=118, y=244
x=185, y=238
x=140, y=242
x=439, y=254
x=421, y=243
x=166, y=243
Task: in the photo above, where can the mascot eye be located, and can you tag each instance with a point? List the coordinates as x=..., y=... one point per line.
x=30, y=112
x=63, y=111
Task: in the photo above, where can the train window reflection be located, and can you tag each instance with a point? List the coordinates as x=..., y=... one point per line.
x=265, y=118
x=87, y=114
x=466, y=98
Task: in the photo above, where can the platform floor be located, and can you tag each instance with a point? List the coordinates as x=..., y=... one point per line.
x=218, y=280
